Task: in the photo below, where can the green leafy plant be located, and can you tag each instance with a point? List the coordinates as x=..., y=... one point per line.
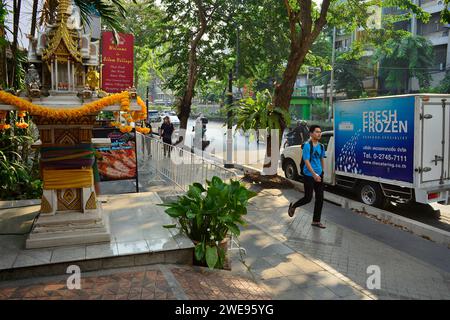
x=19, y=164
x=208, y=216
x=261, y=114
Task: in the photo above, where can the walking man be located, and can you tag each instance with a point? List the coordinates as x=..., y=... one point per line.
x=166, y=133
x=313, y=157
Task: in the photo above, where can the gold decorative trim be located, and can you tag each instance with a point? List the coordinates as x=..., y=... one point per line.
x=45, y=205
x=62, y=34
x=69, y=199
x=91, y=203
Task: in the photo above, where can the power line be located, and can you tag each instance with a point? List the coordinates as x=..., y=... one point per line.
x=392, y=68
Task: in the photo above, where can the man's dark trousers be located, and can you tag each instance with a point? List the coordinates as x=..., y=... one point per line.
x=310, y=186
x=167, y=145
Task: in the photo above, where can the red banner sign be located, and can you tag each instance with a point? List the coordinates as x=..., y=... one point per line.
x=117, y=60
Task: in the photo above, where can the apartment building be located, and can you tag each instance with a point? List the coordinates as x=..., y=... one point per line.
x=438, y=34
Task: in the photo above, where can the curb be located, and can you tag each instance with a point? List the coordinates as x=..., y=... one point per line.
x=10, y=204
x=418, y=228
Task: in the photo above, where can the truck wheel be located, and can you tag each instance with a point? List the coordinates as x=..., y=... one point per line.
x=371, y=194
x=290, y=170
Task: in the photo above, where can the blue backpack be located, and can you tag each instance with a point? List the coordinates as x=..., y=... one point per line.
x=311, y=148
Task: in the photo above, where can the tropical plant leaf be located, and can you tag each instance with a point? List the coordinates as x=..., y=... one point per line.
x=175, y=212
x=199, y=251
x=234, y=229
x=211, y=256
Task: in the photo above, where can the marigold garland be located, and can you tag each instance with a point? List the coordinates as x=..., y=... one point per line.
x=143, y=130
x=4, y=126
x=89, y=108
x=76, y=112
x=125, y=129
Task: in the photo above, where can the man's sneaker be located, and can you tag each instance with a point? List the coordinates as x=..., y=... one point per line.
x=318, y=225
x=291, y=210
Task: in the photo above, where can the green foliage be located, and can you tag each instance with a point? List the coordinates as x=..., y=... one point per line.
x=143, y=19
x=263, y=42
x=21, y=61
x=319, y=113
x=411, y=56
x=109, y=11
x=19, y=172
x=443, y=87
x=212, y=91
x=181, y=24
x=259, y=113
x=208, y=216
x=349, y=76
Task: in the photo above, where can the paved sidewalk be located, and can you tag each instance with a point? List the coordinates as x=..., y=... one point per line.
x=287, y=259
x=160, y=282
x=411, y=267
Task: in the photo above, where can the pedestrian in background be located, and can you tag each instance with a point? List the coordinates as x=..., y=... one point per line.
x=166, y=132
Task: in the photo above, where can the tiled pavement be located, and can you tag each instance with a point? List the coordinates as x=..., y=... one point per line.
x=411, y=267
x=286, y=259
x=161, y=282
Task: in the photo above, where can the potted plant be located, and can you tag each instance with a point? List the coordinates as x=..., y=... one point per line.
x=208, y=216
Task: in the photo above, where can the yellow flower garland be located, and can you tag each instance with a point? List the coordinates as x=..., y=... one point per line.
x=89, y=108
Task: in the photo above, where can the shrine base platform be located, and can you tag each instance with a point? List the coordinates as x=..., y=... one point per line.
x=137, y=238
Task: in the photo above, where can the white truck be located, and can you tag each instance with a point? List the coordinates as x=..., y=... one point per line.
x=387, y=148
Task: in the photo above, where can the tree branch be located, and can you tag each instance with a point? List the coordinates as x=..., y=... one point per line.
x=293, y=19
x=322, y=20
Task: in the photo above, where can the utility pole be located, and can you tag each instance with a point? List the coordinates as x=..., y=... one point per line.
x=146, y=104
x=229, y=160
x=333, y=57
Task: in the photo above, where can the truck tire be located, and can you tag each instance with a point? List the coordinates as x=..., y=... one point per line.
x=371, y=194
x=290, y=170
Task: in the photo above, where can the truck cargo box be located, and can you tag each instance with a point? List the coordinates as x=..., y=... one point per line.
x=400, y=140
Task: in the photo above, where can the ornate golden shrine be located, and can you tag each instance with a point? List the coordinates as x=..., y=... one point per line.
x=63, y=52
x=70, y=213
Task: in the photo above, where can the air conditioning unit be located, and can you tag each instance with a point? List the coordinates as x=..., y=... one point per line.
x=441, y=66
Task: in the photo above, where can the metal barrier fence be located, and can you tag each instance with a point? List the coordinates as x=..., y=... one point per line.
x=177, y=164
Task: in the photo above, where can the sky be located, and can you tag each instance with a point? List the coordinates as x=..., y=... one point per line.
x=24, y=21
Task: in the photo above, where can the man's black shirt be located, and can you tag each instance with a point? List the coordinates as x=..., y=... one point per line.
x=167, y=130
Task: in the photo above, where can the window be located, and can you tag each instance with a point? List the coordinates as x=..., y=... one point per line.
x=346, y=43
x=434, y=25
x=440, y=54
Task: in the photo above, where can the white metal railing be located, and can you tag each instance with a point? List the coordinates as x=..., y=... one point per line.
x=179, y=165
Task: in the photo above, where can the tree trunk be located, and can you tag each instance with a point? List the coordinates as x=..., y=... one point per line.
x=270, y=167
x=33, y=18
x=282, y=98
x=300, y=44
x=16, y=17
x=3, y=75
x=185, y=102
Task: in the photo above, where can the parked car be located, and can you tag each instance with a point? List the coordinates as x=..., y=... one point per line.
x=173, y=119
x=153, y=116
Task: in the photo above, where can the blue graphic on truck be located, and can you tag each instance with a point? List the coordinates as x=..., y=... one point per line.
x=375, y=137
